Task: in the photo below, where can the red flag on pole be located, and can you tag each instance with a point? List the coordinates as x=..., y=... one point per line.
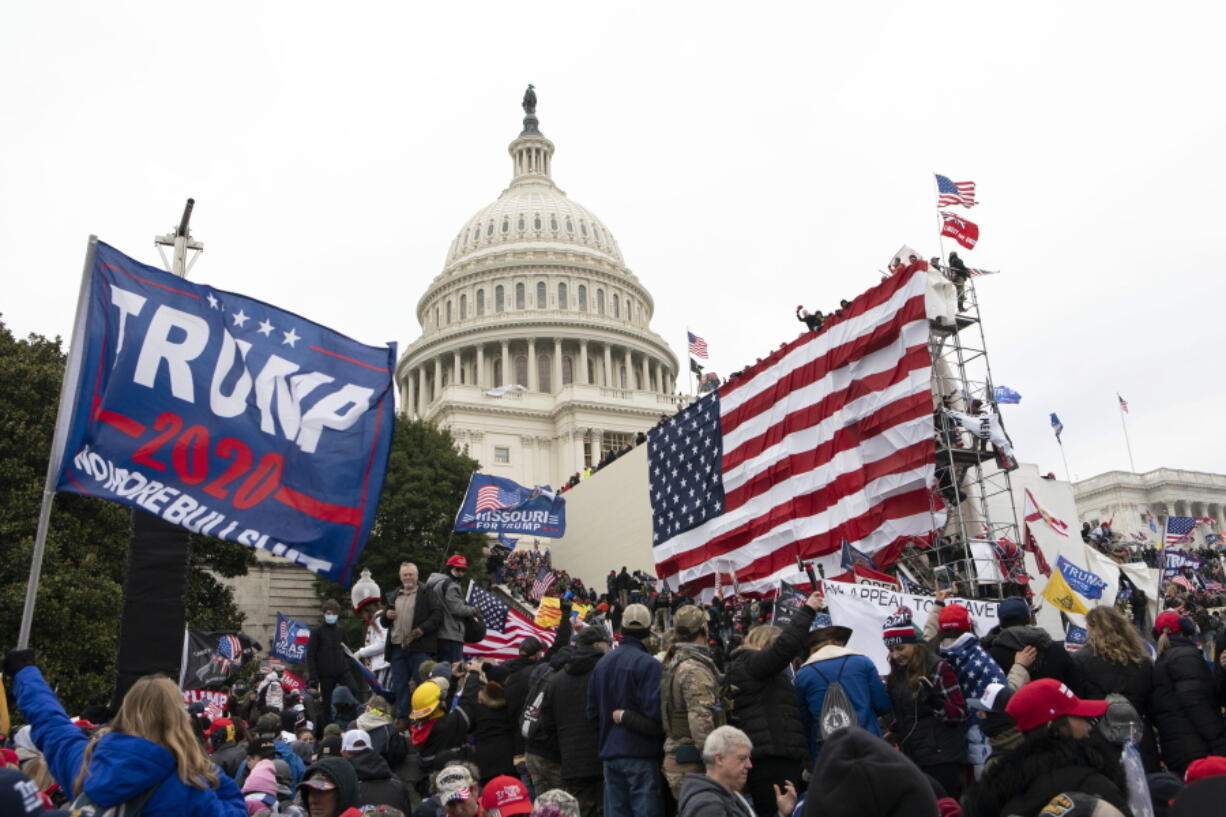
x=959, y=229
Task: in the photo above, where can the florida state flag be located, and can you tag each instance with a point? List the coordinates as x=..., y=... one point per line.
x=959, y=229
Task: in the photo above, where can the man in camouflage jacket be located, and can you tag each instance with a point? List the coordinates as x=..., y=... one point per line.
x=689, y=697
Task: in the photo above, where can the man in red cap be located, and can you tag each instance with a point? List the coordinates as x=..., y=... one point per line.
x=1060, y=752
x=504, y=796
x=446, y=588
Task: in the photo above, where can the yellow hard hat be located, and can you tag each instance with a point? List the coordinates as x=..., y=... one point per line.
x=426, y=699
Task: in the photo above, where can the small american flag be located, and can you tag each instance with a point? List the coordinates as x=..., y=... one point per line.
x=543, y=580
x=698, y=346
x=1123, y=403
x=975, y=271
x=493, y=498
x=949, y=192
x=505, y=628
x=1179, y=529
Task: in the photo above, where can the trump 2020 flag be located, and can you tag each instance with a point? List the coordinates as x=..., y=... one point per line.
x=227, y=416
x=499, y=505
x=290, y=641
x=1085, y=582
x=1006, y=395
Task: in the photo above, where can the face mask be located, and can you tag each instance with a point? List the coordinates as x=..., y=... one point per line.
x=331, y=618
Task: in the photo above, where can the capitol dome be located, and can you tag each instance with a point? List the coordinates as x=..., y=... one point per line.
x=536, y=348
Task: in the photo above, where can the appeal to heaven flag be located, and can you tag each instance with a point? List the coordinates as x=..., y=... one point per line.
x=227, y=416
x=499, y=505
x=827, y=438
x=1062, y=596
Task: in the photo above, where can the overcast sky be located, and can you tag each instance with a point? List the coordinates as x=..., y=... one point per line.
x=748, y=158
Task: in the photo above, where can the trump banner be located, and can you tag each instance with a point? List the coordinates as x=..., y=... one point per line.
x=289, y=643
x=227, y=416
x=498, y=505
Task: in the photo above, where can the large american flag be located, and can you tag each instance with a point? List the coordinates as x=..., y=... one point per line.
x=828, y=438
x=505, y=628
x=1179, y=529
x=950, y=192
x=698, y=346
x=493, y=498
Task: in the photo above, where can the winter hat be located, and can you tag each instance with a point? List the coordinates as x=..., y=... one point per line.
x=19, y=797
x=1173, y=623
x=333, y=730
x=1201, y=798
x=1079, y=804
x=860, y=775
x=263, y=779
x=1046, y=699
x=530, y=646
x=592, y=636
x=898, y=628
x=1013, y=611
x=284, y=777
x=496, y=673
x=555, y=803
x=954, y=618
x=1205, y=767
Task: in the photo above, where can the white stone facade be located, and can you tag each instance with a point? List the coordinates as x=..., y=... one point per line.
x=1125, y=497
x=535, y=294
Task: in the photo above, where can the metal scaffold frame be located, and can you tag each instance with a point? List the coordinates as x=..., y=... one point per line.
x=966, y=467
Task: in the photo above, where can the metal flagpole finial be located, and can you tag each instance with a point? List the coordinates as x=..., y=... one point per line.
x=180, y=240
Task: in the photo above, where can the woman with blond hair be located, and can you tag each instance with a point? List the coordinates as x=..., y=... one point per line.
x=1114, y=659
x=147, y=755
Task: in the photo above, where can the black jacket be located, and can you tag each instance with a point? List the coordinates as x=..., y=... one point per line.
x=764, y=701
x=520, y=678
x=1184, y=706
x=377, y=786
x=1053, y=659
x=924, y=736
x=325, y=653
x=1094, y=678
x=442, y=740
x=565, y=717
x=1042, y=767
x=230, y=756
x=427, y=616
x=545, y=742
x=495, y=745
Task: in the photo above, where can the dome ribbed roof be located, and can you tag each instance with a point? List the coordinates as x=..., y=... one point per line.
x=533, y=215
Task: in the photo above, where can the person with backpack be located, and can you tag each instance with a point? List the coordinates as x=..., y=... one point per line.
x=838, y=687
x=446, y=588
x=689, y=697
x=147, y=756
x=928, y=706
x=385, y=739
x=577, y=741
x=764, y=704
x=539, y=746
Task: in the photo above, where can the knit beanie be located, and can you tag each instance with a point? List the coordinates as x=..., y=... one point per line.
x=898, y=628
x=860, y=775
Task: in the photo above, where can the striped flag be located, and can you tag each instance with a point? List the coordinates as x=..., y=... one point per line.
x=544, y=578
x=1034, y=513
x=1179, y=529
x=829, y=438
x=698, y=346
x=975, y=271
x=951, y=192
x=505, y=628
x=1123, y=403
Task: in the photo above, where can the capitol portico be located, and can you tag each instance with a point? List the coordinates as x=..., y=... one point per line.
x=1126, y=497
x=536, y=349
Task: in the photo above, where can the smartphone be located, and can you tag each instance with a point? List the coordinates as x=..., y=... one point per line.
x=943, y=579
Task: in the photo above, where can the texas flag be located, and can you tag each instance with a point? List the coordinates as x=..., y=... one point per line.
x=959, y=229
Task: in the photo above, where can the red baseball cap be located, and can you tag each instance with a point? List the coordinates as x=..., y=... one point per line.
x=954, y=618
x=1046, y=699
x=506, y=794
x=1205, y=767
x=458, y=561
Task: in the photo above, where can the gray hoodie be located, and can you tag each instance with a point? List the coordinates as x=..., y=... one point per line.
x=703, y=797
x=446, y=589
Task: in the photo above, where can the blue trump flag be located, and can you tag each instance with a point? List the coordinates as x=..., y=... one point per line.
x=1004, y=395
x=498, y=505
x=227, y=416
x=290, y=641
x=1085, y=582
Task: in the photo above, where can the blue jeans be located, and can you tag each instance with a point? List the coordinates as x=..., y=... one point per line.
x=450, y=651
x=405, y=665
x=632, y=788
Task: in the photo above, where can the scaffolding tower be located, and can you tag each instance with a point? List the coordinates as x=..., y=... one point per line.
x=974, y=506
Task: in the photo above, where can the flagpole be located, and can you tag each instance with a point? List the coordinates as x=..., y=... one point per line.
x=1067, y=474
x=940, y=220
x=63, y=419
x=689, y=359
x=1127, y=442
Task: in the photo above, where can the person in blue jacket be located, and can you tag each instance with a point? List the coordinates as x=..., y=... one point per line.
x=148, y=747
x=831, y=661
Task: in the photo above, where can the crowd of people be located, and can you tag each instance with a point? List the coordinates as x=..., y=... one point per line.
x=654, y=703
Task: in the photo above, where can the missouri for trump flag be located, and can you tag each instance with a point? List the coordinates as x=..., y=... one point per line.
x=830, y=438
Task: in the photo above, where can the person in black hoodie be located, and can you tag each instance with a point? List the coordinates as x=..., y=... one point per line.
x=766, y=707
x=582, y=772
x=1114, y=659
x=1016, y=632
x=377, y=786
x=1184, y=706
x=541, y=752
x=326, y=663
x=492, y=727
x=1060, y=751
x=860, y=775
x=329, y=787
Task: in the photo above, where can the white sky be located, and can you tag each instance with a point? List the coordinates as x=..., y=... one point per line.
x=748, y=157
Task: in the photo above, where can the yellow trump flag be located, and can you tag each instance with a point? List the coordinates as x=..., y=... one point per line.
x=549, y=612
x=1062, y=596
